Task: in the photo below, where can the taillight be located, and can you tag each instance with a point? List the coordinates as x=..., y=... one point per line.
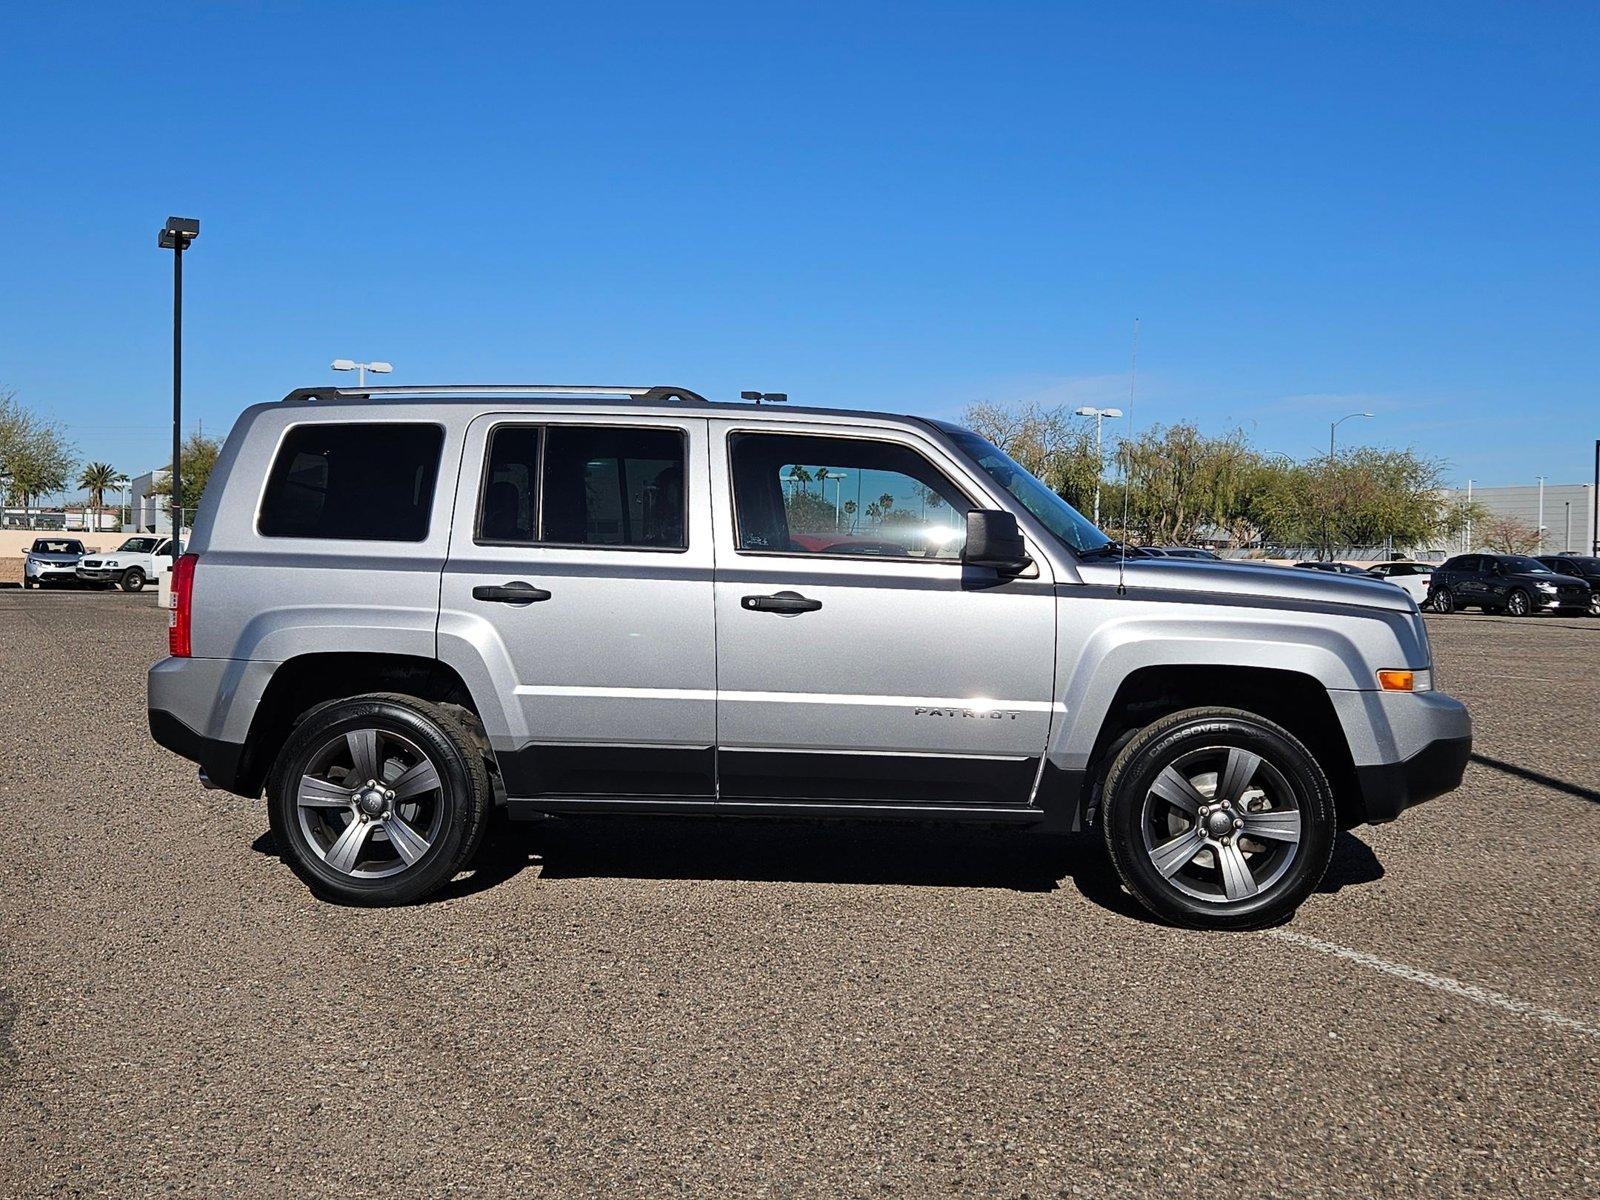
x=182, y=600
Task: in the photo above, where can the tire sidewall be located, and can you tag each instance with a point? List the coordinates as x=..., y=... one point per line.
x=444, y=856
x=1146, y=756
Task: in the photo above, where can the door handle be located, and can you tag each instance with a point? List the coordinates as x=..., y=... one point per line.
x=515, y=592
x=781, y=602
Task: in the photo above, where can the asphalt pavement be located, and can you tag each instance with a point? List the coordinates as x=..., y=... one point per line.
x=652, y=1007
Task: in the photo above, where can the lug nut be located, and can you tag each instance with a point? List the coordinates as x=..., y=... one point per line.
x=1238, y=824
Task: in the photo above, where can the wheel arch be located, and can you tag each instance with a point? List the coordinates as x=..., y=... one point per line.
x=1293, y=699
x=306, y=682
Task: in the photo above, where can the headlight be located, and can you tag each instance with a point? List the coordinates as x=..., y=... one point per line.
x=1547, y=587
x=110, y=562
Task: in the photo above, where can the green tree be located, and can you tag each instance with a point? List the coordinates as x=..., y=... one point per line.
x=97, y=477
x=1050, y=443
x=34, y=452
x=199, y=458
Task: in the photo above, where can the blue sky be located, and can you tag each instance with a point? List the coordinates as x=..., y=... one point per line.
x=1312, y=209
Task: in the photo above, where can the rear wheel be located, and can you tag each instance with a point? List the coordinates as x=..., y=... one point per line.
x=133, y=580
x=379, y=800
x=1594, y=603
x=1217, y=818
x=1518, y=604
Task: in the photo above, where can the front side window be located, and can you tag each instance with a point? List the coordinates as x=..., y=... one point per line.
x=805, y=494
x=1521, y=564
x=357, y=482
x=590, y=485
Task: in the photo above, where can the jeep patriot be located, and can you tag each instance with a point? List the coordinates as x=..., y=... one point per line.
x=405, y=607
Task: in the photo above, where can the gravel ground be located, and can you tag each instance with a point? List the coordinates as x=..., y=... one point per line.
x=657, y=1008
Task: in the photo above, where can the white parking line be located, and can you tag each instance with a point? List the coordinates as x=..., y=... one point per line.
x=1443, y=983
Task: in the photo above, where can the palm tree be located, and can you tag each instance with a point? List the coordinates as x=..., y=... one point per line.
x=97, y=477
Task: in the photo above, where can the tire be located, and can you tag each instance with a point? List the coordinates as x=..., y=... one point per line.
x=1219, y=880
x=133, y=580
x=437, y=828
x=1594, y=603
x=1519, y=603
x=1443, y=600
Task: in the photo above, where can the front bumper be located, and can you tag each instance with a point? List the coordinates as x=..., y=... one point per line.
x=97, y=574
x=1388, y=789
x=49, y=571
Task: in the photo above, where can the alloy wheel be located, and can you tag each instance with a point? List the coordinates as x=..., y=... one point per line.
x=1517, y=604
x=1221, y=824
x=370, y=804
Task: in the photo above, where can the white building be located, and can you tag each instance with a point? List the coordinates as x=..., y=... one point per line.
x=147, y=513
x=1568, y=514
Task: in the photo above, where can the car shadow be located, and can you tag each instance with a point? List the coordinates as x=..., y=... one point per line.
x=1538, y=777
x=821, y=852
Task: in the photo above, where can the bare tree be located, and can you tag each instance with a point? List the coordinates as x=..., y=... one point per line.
x=1507, y=535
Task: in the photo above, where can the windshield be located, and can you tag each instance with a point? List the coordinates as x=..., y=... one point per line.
x=1521, y=564
x=138, y=545
x=1054, y=513
x=56, y=546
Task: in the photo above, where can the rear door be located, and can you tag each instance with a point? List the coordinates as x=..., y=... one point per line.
x=858, y=660
x=579, y=579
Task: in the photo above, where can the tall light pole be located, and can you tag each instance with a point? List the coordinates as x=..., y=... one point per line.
x=176, y=235
x=349, y=364
x=1541, y=516
x=1468, y=547
x=1099, y=415
x=1333, y=429
x=838, y=494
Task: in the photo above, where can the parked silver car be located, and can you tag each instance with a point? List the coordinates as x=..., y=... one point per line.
x=405, y=606
x=51, y=560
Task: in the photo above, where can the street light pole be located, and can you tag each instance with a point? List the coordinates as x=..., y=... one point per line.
x=1541, y=515
x=1099, y=415
x=176, y=236
x=361, y=368
x=1333, y=429
x=1468, y=547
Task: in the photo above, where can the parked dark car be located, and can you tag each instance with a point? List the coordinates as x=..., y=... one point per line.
x=1183, y=552
x=1578, y=566
x=1510, y=583
x=1336, y=567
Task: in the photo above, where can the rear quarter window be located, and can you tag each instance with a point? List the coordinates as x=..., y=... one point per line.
x=367, y=481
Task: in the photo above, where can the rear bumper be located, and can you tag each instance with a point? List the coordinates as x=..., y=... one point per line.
x=218, y=760
x=1388, y=789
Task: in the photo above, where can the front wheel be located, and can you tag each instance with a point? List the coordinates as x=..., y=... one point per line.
x=1594, y=603
x=133, y=580
x=378, y=800
x=1443, y=600
x=1217, y=818
x=1518, y=603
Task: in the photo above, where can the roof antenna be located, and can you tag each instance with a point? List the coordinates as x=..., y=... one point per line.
x=1133, y=388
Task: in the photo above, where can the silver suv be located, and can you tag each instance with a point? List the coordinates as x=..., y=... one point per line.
x=405, y=607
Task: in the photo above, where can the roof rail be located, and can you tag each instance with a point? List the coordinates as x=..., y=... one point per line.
x=645, y=395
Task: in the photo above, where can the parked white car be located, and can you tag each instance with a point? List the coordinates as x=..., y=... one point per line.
x=131, y=565
x=1415, y=578
x=51, y=560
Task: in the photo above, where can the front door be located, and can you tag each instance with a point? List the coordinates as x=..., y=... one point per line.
x=858, y=659
x=579, y=578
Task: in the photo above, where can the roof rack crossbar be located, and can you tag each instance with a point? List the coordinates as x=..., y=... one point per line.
x=648, y=395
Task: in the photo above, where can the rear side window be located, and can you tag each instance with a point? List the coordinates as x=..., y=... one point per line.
x=368, y=482
x=586, y=485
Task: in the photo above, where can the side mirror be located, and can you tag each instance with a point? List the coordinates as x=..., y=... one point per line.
x=993, y=540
